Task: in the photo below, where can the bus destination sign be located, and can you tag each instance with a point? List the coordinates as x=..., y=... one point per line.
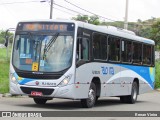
x=46, y=27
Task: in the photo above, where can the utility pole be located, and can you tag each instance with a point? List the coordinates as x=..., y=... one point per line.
x=126, y=16
x=51, y=9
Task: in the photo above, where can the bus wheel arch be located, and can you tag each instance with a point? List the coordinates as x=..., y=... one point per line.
x=93, y=93
x=137, y=81
x=132, y=98
x=90, y=101
x=97, y=82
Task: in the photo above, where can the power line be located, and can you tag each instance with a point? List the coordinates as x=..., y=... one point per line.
x=10, y=12
x=17, y=2
x=63, y=11
x=89, y=11
x=67, y=8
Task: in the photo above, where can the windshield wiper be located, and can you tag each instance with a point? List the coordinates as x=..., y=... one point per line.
x=50, y=43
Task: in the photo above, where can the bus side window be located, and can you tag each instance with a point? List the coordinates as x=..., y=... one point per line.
x=137, y=53
x=147, y=50
x=126, y=53
x=114, y=48
x=85, y=49
x=82, y=49
x=99, y=46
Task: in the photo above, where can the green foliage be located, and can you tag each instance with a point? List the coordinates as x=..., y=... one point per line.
x=4, y=71
x=157, y=78
x=81, y=18
x=2, y=37
x=94, y=20
x=155, y=32
x=4, y=77
x=118, y=24
x=90, y=19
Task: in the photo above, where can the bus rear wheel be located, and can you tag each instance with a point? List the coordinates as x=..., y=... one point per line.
x=90, y=101
x=133, y=97
x=40, y=101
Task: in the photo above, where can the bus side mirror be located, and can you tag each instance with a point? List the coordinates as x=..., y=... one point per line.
x=6, y=42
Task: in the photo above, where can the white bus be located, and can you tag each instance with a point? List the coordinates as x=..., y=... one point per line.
x=75, y=60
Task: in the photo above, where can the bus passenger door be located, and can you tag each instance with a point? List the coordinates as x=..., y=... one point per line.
x=82, y=70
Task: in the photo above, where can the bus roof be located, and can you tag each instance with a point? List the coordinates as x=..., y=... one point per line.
x=116, y=32
x=103, y=29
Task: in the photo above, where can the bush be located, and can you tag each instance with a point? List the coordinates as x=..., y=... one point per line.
x=157, y=78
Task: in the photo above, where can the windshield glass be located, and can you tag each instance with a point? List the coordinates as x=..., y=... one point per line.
x=44, y=53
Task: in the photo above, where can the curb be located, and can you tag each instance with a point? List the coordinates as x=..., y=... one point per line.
x=9, y=95
x=6, y=95
x=158, y=89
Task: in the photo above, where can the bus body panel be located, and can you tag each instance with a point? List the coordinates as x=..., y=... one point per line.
x=116, y=79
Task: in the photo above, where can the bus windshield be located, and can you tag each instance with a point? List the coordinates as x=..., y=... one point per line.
x=43, y=53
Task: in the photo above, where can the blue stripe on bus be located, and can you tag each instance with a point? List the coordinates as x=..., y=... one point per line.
x=148, y=73
x=24, y=81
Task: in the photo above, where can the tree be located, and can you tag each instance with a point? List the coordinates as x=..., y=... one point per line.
x=94, y=20
x=83, y=18
x=139, y=21
x=155, y=32
x=90, y=19
x=2, y=36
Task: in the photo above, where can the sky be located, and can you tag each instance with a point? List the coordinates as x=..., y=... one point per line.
x=18, y=10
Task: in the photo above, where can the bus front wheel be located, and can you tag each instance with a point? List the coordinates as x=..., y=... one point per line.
x=40, y=101
x=90, y=101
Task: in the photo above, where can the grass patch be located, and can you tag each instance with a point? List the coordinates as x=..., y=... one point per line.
x=4, y=71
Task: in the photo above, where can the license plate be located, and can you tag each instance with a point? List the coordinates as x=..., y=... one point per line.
x=34, y=93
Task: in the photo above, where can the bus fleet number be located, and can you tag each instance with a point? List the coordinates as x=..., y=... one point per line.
x=107, y=70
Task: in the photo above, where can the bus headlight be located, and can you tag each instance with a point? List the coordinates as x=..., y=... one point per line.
x=13, y=79
x=65, y=81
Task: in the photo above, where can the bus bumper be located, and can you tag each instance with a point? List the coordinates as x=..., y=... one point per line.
x=70, y=91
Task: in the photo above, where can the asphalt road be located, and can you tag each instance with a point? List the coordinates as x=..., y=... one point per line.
x=146, y=102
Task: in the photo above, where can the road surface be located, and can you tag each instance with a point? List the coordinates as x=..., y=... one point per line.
x=146, y=102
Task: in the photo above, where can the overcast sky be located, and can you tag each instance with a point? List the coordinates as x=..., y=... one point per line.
x=10, y=14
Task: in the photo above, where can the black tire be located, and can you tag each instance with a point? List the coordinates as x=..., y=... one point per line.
x=97, y=98
x=133, y=97
x=90, y=101
x=40, y=101
x=134, y=93
x=123, y=99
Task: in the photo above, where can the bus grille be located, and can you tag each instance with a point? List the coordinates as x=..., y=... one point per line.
x=44, y=91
